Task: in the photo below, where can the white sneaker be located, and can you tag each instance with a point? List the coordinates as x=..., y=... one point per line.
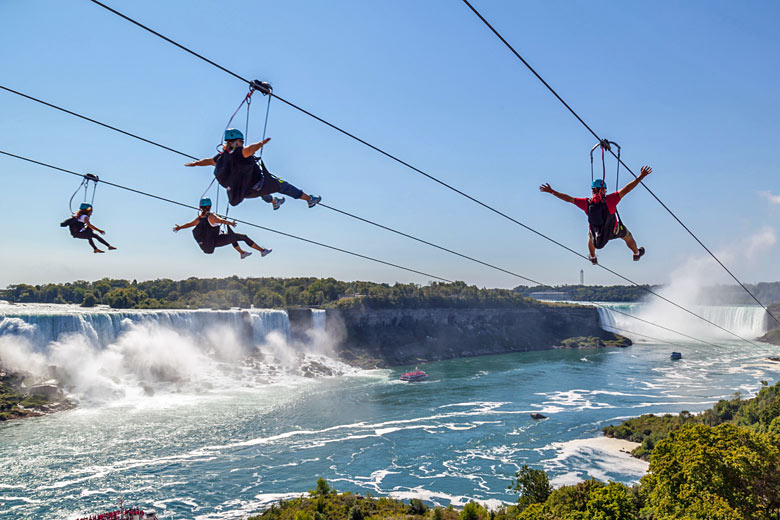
x=245, y=254
x=265, y=252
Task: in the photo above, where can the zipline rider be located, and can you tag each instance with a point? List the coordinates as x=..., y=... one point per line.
x=602, y=214
x=245, y=177
x=207, y=232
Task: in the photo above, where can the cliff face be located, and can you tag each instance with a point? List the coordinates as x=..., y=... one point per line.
x=773, y=336
x=407, y=336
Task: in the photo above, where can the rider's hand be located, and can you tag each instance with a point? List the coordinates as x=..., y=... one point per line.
x=176, y=228
x=233, y=223
x=189, y=164
x=546, y=188
x=101, y=232
x=265, y=141
x=645, y=171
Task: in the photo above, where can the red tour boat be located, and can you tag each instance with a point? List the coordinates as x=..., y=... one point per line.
x=415, y=375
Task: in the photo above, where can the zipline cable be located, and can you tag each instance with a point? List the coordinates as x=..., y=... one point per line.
x=115, y=129
x=346, y=213
x=387, y=154
x=620, y=161
x=133, y=190
x=401, y=233
x=171, y=201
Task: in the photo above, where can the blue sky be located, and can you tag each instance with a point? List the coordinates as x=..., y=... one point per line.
x=689, y=88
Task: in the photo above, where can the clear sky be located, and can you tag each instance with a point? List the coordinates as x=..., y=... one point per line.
x=690, y=88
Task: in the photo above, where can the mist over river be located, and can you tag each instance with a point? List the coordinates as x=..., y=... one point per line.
x=180, y=413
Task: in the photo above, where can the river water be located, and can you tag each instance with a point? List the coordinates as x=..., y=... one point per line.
x=176, y=421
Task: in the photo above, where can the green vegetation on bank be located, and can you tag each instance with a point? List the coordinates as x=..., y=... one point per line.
x=224, y=293
x=15, y=404
x=759, y=414
x=723, y=464
x=700, y=472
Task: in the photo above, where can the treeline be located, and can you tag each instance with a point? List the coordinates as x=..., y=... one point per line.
x=767, y=293
x=224, y=293
x=723, y=464
x=760, y=414
x=595, y=293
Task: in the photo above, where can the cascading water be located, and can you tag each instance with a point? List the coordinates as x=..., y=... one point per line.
x=104, y=354
x=318, y=319
x=744, y=320
x=44, y=324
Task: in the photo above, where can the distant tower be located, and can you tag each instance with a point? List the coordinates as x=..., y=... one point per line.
x=582, y=277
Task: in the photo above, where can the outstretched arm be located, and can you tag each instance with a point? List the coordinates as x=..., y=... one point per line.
x=215, y=219
x=644, y=172
x=546, y=188
x=250, y=150
x=208, y=161
x=187, y=225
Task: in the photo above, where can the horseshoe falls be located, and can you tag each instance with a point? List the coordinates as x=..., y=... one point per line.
x=748, y=321
x=217, y=414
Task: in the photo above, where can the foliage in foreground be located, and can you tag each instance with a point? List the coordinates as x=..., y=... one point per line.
x=760, y=414
x=324, y=503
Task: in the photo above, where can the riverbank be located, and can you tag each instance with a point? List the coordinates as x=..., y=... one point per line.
x=23, y=396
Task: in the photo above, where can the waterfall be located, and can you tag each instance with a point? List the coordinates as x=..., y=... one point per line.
x=318, y=319
x=99, y=355
x=745, y=320
x=43, y=324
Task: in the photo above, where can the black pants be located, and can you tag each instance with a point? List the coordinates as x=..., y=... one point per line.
x=232, y=238
x=269, y=184
x=88, y=234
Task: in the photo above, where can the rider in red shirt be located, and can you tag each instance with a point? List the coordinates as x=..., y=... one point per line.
x=602, y=214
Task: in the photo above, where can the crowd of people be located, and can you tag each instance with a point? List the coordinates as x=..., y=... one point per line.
x=127, y=514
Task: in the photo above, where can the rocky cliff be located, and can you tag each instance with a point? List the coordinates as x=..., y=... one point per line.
x=406, y=336
x=773, y=336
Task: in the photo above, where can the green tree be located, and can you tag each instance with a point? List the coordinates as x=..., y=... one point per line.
x=356, y=513
x=323, y=488
x=417, y=507
x=611, y=502
x=532, y=484
x=472, y=511
x=717, y=472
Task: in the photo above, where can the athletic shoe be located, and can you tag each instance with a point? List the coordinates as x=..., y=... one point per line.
x=245, y=254
x=314, y=200
x=278, y=203
x=265, y=252
x=111, y=248
x=640, y=254
x=593, y=260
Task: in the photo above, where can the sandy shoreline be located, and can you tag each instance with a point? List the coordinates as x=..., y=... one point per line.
x=596, y=457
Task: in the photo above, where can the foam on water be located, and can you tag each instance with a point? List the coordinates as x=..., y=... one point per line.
x=201, y=425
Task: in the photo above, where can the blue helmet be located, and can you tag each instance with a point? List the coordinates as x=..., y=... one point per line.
x=205, y=202
x=85, y=205
x=232, y=133
x=598, y=183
